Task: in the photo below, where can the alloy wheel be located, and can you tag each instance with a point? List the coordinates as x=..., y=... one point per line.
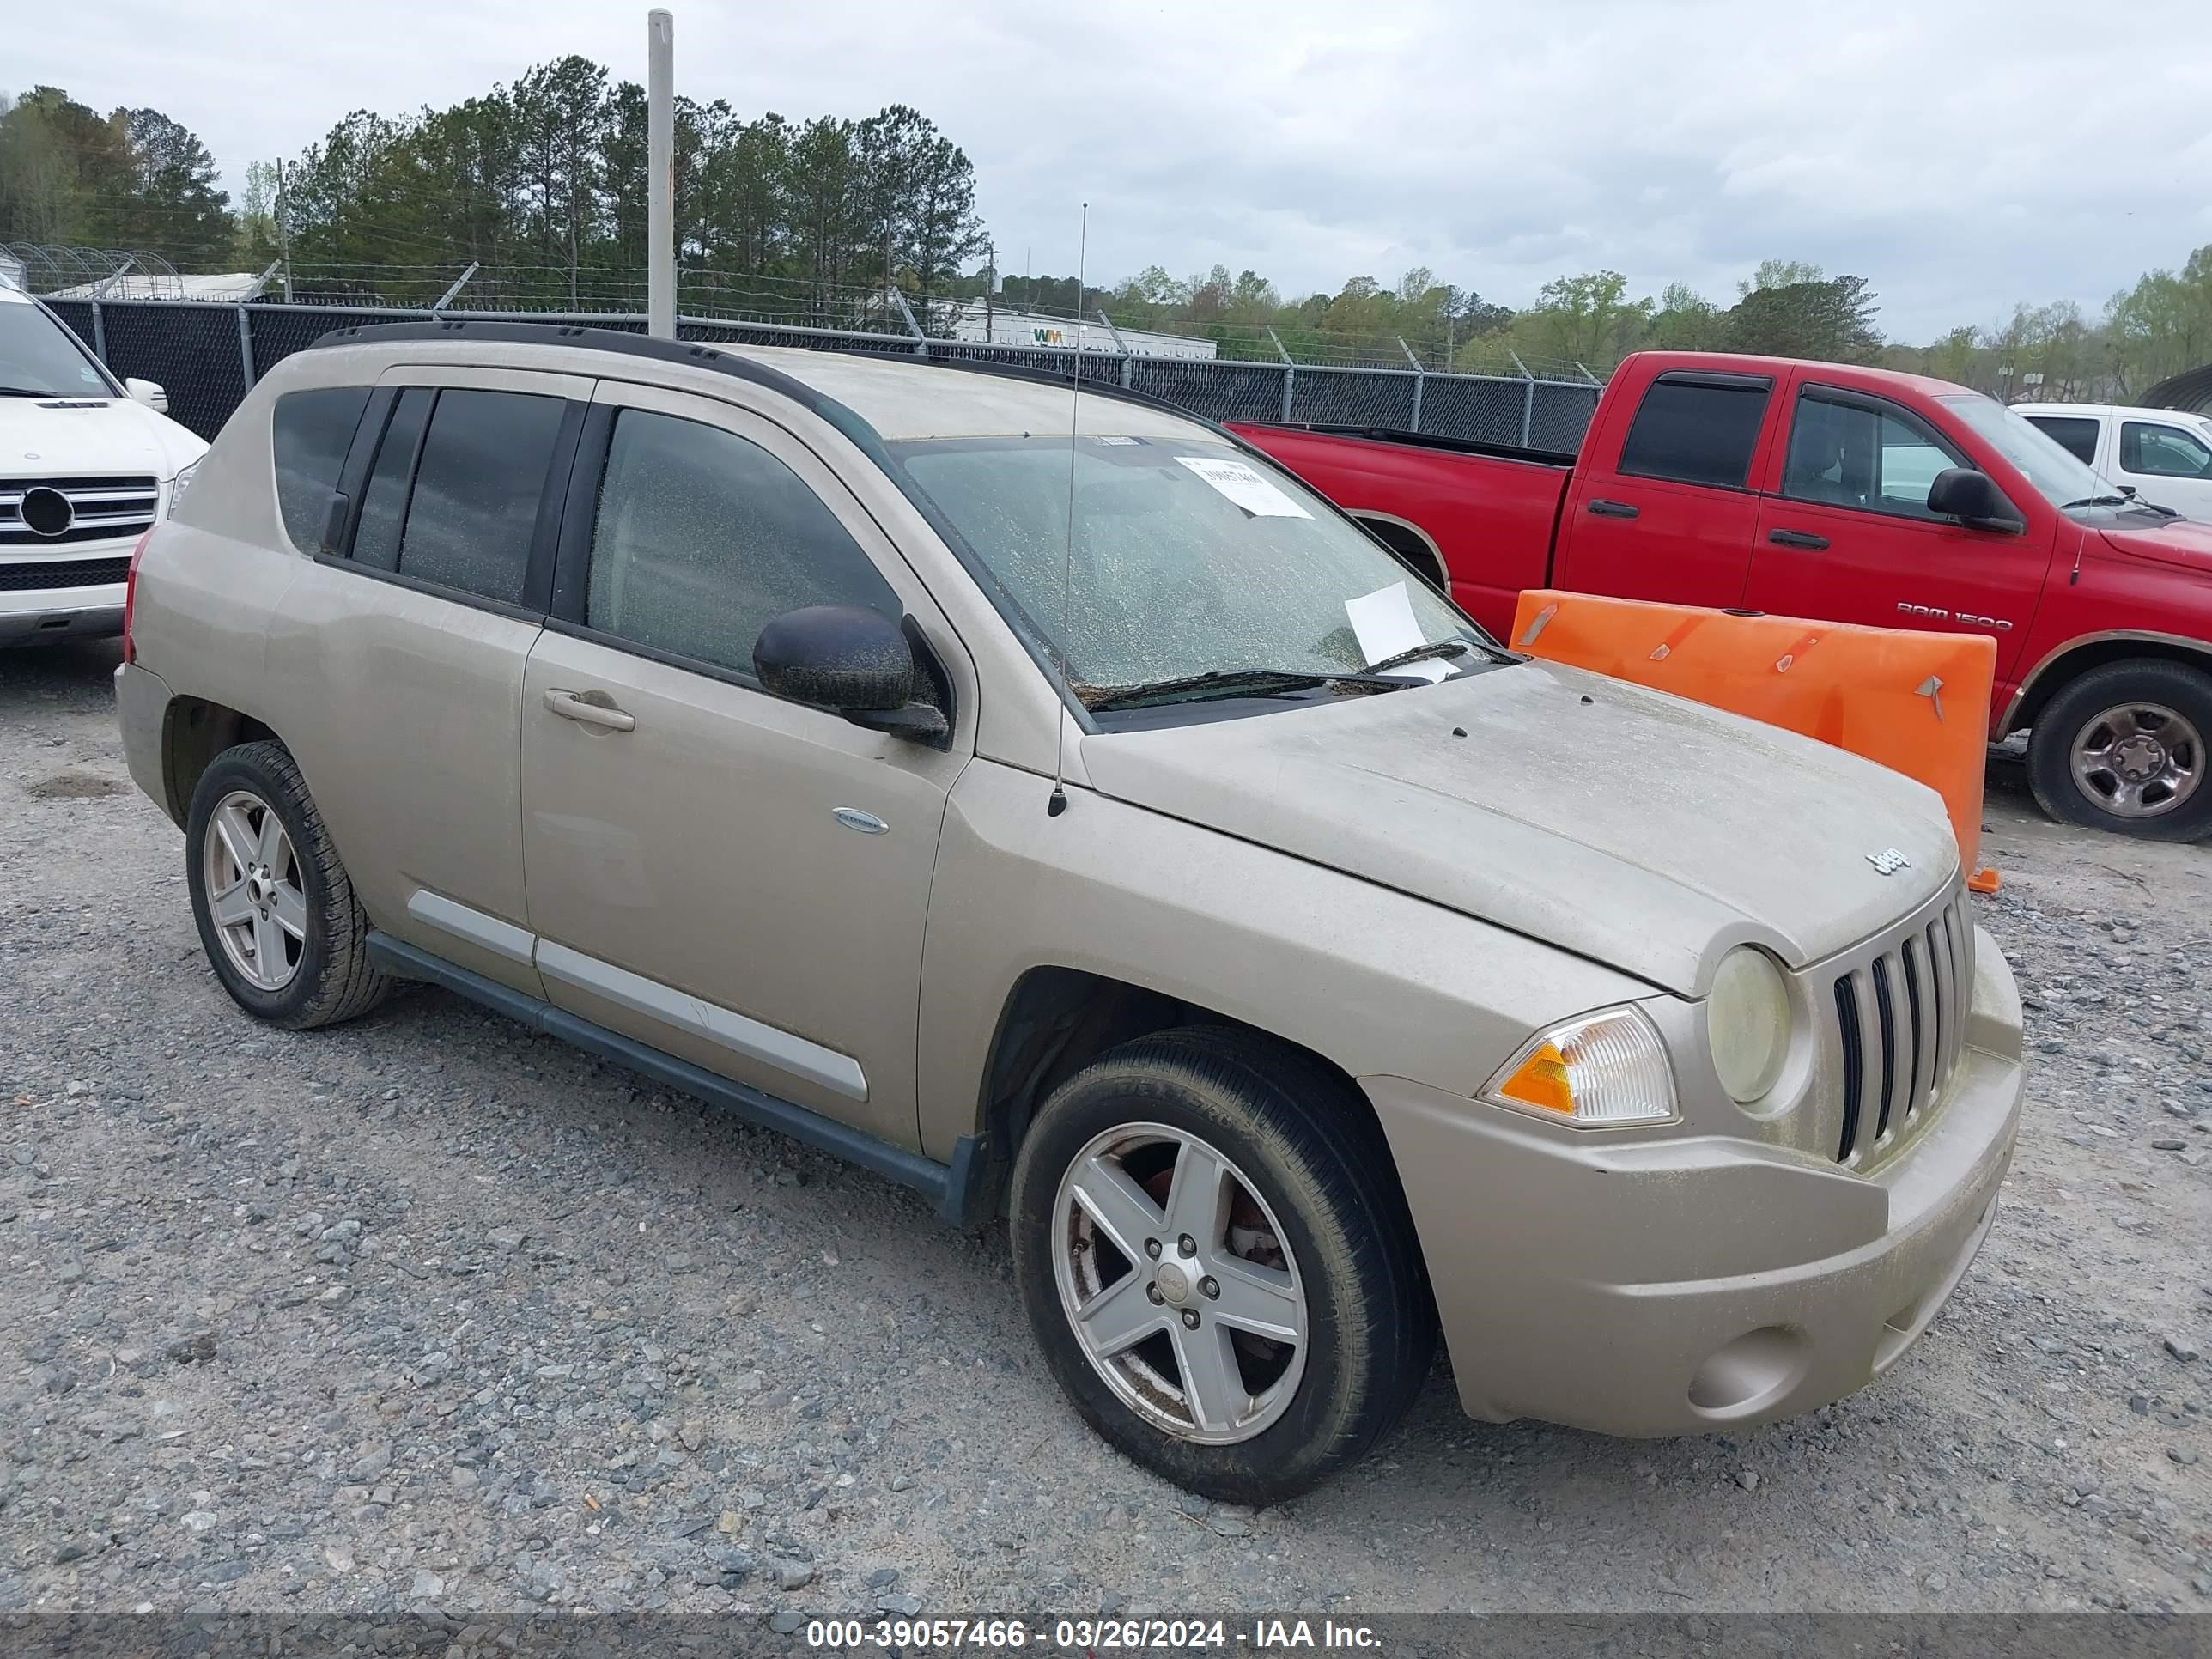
x=1179, y=1284
x=254, y=892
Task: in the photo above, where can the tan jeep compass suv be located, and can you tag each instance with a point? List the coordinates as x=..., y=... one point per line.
x=1296, y=968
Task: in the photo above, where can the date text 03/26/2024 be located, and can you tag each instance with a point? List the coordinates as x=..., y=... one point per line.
x=1261, y=1636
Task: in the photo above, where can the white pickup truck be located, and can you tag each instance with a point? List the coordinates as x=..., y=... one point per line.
x=88, y=464
x=2162, y=454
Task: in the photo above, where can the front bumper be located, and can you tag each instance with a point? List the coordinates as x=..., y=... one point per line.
x=1673, y=1287
x=60, y=613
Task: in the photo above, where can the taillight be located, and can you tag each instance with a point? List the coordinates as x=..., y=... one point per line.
x=131, y=593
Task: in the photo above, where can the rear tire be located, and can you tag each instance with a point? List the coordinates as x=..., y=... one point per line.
x=1303, y=1229
x=277, y=912
x=2123, y=748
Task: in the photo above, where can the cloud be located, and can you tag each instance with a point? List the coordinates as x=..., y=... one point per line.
x=1962, y=157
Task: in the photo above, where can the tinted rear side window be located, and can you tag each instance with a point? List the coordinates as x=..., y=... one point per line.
x=384, y=503
x=2078, y=436
x=474, y=507
x=1696, y=432
x=310, y=431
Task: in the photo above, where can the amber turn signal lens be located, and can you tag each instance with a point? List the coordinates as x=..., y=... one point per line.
x=1541, y=1080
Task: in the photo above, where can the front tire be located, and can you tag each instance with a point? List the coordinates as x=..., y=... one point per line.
x=276, y=913
x=2123, y=749
x=1215, y=1254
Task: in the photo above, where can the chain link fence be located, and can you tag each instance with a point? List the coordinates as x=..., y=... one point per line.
x=207, y=355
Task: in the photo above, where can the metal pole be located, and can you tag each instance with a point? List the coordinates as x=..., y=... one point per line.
x=246, y=346
x=660, y=174
x=462, y=282
x=920, y=340
x=1527, y=396
x=99, y=334
x=1419, y=376
x=1290, y=373
x=283, y=234
x=1128, y=377
x=113, y=277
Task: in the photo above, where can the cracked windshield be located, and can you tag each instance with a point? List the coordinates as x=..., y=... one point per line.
x=1188, y=558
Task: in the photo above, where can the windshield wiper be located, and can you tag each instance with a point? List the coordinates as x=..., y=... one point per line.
x=26, y=392
x=2095, y=501
x=1419, y=654
x=1224, y=682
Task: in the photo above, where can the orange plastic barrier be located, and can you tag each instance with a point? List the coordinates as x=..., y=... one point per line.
x=1919, y=703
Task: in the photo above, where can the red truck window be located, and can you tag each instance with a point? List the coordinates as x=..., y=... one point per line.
x=1697, y=429
x=1850, y=450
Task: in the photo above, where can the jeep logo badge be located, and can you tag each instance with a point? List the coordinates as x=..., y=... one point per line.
x=1889, y=861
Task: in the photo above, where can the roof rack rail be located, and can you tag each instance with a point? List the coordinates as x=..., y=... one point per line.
x=702, y=353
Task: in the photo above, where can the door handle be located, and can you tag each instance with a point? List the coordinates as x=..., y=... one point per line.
x=576, y=706
x=1804, y=538
x=1612, y=510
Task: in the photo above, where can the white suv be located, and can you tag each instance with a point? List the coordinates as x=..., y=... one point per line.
x=88, y=464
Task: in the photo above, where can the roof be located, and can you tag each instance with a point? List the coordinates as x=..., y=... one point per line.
x=140, y=285
x=898, y=397
x=2153, y=411
x=2189, y=392
x=1865, y=376
x=904, y=399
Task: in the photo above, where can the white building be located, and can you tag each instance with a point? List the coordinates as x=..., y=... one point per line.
x=1003, y=325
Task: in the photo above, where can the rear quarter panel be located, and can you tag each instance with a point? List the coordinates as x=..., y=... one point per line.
x=1490, y=519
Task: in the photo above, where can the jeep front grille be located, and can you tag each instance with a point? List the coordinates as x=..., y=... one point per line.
x=1900, y=1023
x=99, y=509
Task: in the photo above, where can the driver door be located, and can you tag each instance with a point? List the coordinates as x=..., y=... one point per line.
x=1848, y=536
x=734, y=879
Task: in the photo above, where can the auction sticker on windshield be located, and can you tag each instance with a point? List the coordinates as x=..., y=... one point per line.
x=1245, y=487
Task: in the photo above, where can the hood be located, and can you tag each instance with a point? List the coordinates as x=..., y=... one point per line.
x=2184, y=542
x=86, y=437
x=1626, y=825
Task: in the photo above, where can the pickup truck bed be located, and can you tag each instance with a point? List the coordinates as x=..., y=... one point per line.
x=1430, y=496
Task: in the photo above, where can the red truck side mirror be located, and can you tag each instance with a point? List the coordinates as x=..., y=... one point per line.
x=1973, y=499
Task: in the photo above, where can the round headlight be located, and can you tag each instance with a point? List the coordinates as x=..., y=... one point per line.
x=1747, y=1023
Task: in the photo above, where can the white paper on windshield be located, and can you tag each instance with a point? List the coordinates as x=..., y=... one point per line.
x=1244, y=486
x=1382, y=622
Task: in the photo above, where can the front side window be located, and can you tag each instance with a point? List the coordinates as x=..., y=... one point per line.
x=702, y=539
x=2163, y=451
x=1849, y=453
x=2075, y=434
x=310, y=432
x=1696, y=431
x=1188, y=558
x=2054, y=475
x=38, y=358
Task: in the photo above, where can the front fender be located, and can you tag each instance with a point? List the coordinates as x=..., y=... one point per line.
x=1374, y=981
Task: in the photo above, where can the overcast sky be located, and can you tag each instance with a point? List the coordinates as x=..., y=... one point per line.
x=1962, y=156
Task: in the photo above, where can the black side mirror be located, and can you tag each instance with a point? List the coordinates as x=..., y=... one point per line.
x=1973, y=499
x=850, y=660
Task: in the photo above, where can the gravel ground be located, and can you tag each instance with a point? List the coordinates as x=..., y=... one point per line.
x=426, y=1311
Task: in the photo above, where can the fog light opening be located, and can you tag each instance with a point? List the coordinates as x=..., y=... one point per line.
x=1751, y=1372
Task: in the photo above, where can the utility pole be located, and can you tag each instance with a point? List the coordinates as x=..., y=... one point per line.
x=660, y=174
x=284, y=233
x=990, y=281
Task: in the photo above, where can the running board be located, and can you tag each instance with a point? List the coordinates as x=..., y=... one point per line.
x=957, y=1190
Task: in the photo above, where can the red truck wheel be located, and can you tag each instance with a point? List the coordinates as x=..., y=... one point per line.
x=2123, y=748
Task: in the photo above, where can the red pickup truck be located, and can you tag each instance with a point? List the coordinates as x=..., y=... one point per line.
x=1845, y=495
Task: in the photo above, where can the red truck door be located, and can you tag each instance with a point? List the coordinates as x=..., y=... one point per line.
x=1667, y=511
x=1845, y=535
